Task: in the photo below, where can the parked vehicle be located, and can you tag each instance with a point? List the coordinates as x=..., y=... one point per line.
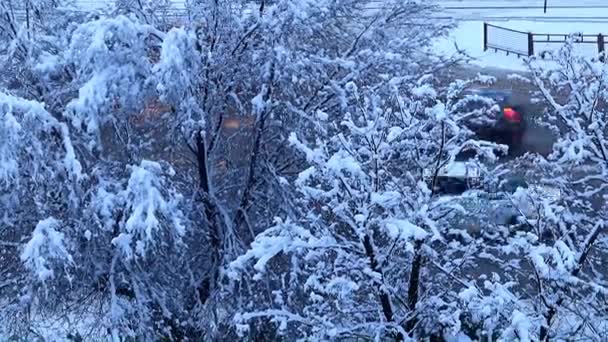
x=480, y=205
x=454, y=178
x=507, y=125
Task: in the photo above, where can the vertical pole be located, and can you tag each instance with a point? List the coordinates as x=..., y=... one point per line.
x=27, y=19
x=530, y=43
x=600, y=46
x=485, y=36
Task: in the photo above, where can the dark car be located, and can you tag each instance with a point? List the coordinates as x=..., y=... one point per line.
x=482, y=204
x=454, y=178
x=507, y=126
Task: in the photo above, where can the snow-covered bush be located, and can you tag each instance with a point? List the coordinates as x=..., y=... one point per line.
x=40, y=179
x=136, y=228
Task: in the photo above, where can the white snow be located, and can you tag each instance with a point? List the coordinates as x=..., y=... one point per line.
x=460, y=337
x=468, y=294
x=147, y=205
x=284, y=237
x=438, y=112
x=394, y=133
x=305, y=175
x=567, y=257
x=21, y=121
x=342, y=161
x=425, y=90
x=9, y=136
x=386, y=199
x=521, y=326
x=123, y=243
x=342, y=285
x=46, y=244
x=468, y=35
x=258, y=102
x=404, y=230
x=311, y=155
x=456, y=169
x=47, y=63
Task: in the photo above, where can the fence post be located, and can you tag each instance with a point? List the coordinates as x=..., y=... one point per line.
x=600, y=46
x=485, y=36
x=530, y=43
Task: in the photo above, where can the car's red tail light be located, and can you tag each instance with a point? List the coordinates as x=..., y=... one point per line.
x=511, y=114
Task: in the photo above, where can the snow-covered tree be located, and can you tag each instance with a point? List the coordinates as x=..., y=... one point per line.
x=282, y=68
x=160, y=13
x=548, y=272
x=45, y=245
x=567, y=259
x=357, y=254
x=39, y=177
x=269, y=168
x=133, y=248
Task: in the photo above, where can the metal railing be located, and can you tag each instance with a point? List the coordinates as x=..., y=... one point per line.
x=522, y=43
x=507, y=40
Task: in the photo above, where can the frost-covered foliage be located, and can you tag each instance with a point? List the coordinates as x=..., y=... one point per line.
x=567, y=258
x=267, y=170
x=368, y=220
x=36, y=147
x=112, y=60
x=137, y=161
x=45, y=246
x=136, y=228
x=143, y=209
x=39, y=198
x=28, y=38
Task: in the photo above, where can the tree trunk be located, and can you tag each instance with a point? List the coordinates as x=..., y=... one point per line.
x=241, y=212
x=385, y=301
x=412, y=291
x=213, y=224
x=260, y=127
x=544, y=329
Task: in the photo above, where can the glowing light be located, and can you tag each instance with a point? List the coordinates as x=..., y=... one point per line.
x=511, y=114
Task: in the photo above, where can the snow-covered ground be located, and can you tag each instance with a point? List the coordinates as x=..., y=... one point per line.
x=590, y=18
x=563, y=17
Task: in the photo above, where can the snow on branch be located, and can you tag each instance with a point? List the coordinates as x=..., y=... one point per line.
x=45, y=250
x=284, y=237
x=178, y=75
x=112, y=60
x=151, y=215
x=25, y=128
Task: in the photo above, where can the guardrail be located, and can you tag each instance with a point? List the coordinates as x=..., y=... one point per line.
x=522, y=43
